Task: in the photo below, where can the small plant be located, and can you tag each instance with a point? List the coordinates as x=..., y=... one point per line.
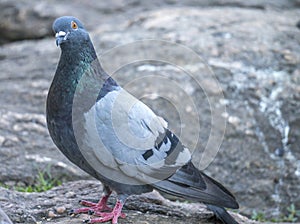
x=292, y=216
x=258, y=216
x=3, y=185
x=43, y=182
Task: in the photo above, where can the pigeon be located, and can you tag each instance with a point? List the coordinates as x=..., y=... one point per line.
x=116, y=138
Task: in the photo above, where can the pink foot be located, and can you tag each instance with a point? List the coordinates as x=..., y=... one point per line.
x=93, y=207
x=107, y=216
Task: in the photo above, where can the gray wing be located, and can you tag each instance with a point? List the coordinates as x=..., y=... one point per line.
x=130, y=139
x=190, y=183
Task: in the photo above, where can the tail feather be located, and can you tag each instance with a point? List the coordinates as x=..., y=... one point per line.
x=222, y=214
x=203, y=189
x=190, y=183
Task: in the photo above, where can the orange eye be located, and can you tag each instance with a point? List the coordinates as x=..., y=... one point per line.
x=74, y=25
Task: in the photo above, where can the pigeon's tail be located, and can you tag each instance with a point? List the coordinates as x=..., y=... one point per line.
x=190, y=183
x=222, y=214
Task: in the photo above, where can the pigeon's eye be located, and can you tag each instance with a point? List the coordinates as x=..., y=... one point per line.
x=74, y=25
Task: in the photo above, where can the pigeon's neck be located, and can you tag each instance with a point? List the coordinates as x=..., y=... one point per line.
x=79, y=55
x=78, y=73
x=79, y=61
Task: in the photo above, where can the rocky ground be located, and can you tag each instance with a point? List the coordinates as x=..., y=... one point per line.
x=253, y=49
x=53, y=206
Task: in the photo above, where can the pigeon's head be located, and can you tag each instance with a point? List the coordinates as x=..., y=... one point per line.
x=69, y=31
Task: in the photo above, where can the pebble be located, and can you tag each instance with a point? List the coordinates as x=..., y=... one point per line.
x=70, y=194
x=2, y=139
x=279, y=152
x=234, y=120
x=298, y=24
x=8, y=143
x=51, y=214
x=60, y=209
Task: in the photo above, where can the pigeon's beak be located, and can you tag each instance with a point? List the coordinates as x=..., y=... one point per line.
x=61, y=36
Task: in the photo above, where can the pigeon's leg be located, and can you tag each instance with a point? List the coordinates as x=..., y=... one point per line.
x=95, y=207
x=113, y=215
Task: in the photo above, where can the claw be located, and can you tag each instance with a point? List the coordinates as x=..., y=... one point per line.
x=71, y=212
x=86, y=221
x=91, y=212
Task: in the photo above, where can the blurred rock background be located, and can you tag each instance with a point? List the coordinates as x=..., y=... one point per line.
x=252, y=47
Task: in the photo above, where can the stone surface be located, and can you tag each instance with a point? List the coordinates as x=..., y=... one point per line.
x=147, y=208
x=23, y=20
x=252, y=48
